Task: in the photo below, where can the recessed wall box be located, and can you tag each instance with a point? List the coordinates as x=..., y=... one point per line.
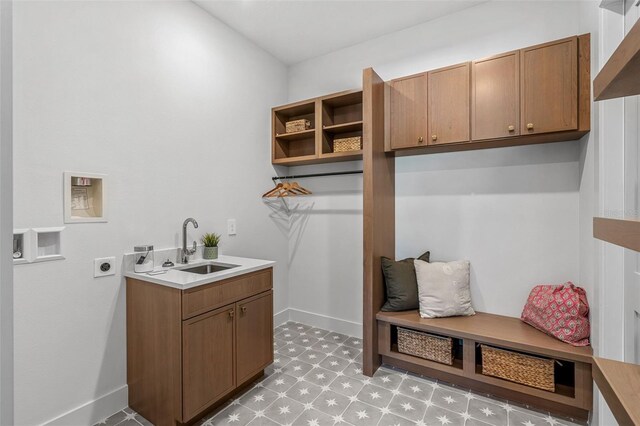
x=21, y=246
x=47, y=244
x=84, y=197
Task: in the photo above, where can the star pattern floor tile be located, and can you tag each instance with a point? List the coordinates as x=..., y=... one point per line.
x=316, y=380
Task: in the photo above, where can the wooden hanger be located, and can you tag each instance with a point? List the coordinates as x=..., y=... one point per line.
x=286, y=190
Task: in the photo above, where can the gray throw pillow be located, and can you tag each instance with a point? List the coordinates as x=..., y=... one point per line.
x=401, y=284
x=444, y=288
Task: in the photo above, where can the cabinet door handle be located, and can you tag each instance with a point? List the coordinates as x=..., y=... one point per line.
x=511, y=128
x=420, y=139
x=231, y=313
x=434, y=137
x=243, y=309
x=530, y=126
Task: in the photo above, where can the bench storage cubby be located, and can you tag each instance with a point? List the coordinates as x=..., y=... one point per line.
x=565, y=390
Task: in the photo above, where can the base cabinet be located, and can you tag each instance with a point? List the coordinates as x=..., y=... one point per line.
x=207, y=359
x=182, y=363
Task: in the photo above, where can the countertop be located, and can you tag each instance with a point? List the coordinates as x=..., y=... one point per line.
x=185, y=280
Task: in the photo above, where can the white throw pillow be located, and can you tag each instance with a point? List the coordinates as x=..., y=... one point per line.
x=443, y=288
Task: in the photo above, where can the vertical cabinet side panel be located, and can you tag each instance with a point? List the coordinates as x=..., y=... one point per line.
x=154, y=347
x=378, y=213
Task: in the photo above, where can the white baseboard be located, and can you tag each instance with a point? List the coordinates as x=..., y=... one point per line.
x=281, y=317
x=326, y=322
x=93, y=411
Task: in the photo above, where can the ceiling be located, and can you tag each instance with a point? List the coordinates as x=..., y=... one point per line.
x=295, y=30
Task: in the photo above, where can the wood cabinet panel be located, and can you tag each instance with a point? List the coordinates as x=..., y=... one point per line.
x=204, y=298
x=495, y=97
x=408, y=112
x=449, y=104
x=549, y=87
x=208, y=364
x=254, y=335
x=154, y=328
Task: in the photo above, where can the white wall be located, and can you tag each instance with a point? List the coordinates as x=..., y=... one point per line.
x=175, y=108
x=512, y=211
x=6, y=214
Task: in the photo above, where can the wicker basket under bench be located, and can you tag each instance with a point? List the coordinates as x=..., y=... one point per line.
x=496, y=354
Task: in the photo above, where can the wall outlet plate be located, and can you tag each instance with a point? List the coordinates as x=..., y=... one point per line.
x=231, y=226
x=104, y=267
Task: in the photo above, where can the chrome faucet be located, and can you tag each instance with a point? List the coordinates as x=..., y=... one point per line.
x=186, y=252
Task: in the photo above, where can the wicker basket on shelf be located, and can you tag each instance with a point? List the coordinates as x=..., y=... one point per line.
x=297, y=125
x=424, y=345
x=347, y=144
x=520, y=368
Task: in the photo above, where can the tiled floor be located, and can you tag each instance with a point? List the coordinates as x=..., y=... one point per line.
x=317, y=380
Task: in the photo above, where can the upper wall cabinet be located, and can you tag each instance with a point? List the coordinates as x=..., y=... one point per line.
x=533, y=95
x=408, y=111
x=550, y=87
x=448, y=105
x=495, y=97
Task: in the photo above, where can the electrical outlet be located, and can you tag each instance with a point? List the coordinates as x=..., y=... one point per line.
x=104, y=266
x=231, y=226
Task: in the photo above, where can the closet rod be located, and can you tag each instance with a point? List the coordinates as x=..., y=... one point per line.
x=353, y=172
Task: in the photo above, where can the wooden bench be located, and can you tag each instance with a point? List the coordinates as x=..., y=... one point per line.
x=573, y=393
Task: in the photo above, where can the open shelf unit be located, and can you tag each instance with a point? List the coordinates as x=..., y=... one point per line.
x=621, y=232
x=619, y=76
x=332, y=117
x=619, y=383
x=573, y=385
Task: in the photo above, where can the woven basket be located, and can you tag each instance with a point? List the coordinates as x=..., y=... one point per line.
x=297, y=125
x=427, y=346
x=524, y=369
x=347, y=144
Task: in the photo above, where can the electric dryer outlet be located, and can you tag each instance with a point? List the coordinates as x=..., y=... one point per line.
x=104, y=266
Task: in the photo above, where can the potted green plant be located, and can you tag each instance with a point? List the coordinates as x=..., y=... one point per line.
x=210, y=242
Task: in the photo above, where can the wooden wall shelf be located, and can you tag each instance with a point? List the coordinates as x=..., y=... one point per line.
x=619, y=76
x=333, y=116
x=619, y=383
x=621, y=232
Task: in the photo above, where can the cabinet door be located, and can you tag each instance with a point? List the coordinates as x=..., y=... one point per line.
x=549, y=87
x=208, y=365
x=408, y=112
x=254, y=332
x=449, y=104
x=495, y=97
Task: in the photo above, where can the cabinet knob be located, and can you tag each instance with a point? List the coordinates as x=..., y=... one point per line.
x=420, y=139
x=231, y=313
x=530, y=126
x=434, y=137
x=511, y=128
x=243, y=309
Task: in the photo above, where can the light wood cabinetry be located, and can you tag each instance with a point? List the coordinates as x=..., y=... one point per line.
x=254, y=329
x=538, y=94
x=448, y=104
x=549, y=87
x=332, y=117
x=207, y=358
x=189, y=350
x=495, y=97
x=573, y=390
x=408, y=111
